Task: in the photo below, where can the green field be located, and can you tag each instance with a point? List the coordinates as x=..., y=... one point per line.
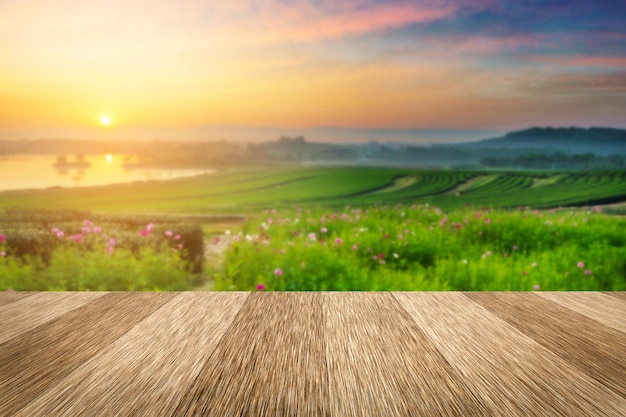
x=446, y=243
x=248, y=190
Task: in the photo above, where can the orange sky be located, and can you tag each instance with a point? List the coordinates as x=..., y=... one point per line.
x=361, y=63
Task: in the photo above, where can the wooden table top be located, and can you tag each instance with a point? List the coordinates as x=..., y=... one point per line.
x=312, y=354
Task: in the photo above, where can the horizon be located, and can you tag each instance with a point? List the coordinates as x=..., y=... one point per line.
x=157, y=68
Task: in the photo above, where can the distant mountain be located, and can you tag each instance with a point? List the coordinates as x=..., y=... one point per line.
x=597, y=140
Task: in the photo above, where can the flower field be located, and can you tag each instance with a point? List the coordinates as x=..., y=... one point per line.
x=358, y=228
x=42, y=250
x=419, y=247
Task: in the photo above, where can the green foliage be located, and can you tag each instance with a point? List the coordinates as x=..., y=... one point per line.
x=114, y=254
x=75, y=269
x=423, y=248
x=34, y=233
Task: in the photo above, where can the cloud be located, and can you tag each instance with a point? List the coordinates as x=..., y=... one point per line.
x=576, y=83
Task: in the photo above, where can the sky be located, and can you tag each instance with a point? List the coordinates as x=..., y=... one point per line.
x=180, y=64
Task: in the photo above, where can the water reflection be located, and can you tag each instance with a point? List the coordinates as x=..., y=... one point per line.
x=37, y=171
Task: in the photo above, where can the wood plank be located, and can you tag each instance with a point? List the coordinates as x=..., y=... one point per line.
x=7, y=297
x=597, y=306
x=508, y=370
x=597, y=350
x=29, y=312
x=381, y=364
x=270, y=362
x=38, y=359
x=146, y=376
x=621, y=295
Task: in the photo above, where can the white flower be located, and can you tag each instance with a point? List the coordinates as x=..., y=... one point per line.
x=227, y=233
x=395, y=255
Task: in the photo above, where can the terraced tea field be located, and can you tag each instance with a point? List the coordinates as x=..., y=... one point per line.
x=251, y=189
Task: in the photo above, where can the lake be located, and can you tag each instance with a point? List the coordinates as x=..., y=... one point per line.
x=43, y=171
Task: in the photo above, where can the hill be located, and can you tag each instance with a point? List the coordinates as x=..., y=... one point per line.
x=597, y=140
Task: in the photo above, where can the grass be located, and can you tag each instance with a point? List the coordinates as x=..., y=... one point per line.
x=447, y=248
x=422, y=248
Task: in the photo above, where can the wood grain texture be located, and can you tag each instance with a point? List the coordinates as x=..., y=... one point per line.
x=313, y=354
x=597, y=306
x=270, y=362
x=597, y=350
x=617, y=294
x=183, y=334
x=38, y=359
x=513, y=373
x=381, y=364
x=29, y=312
x=7, y=297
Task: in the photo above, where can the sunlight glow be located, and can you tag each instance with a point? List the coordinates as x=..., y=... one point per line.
x=105, y=120
x=109, y=158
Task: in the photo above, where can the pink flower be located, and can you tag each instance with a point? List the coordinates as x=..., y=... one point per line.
x=60, y=234
x=278, y=272
x=179, y=246
x=515, y=247
x=338, y=241
x=487, y=221
x=260, y=287
x=588, y=272
x=168, y=233
x=400, y=237
x=323, y=230
x=536, y=287
x=86, y=230
x=97, y=229
x=355, y=247
x=312, y=236
x=177, y=237
x=145, y=232
x=524, y=273
x=88, y=223
x=111, y=242
x=55, y=230
x=282, y=251
x=581, y=264
x=77, y=237
x=149, y=227
x=3, y=254
x=2, y=237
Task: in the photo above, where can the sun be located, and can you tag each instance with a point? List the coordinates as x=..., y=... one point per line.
x=105, y=120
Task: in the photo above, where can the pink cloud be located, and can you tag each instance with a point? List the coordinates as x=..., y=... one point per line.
x=274, y=20
x=581, y=61
x=301, y=25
